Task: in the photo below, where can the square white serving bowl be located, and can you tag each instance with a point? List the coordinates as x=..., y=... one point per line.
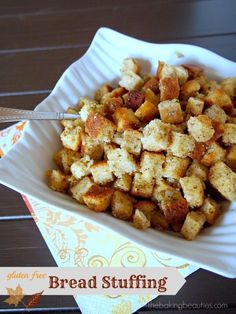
x=23, y=168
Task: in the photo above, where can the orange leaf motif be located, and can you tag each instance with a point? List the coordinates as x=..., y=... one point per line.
x=34, y=300
x=15, y=296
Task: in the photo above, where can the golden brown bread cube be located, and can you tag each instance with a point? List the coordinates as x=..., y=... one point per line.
x=88, y=106
x=229, y=136
x=98, y=198
x=152, y=97
x=211, y=210
x=229, y=86
x=80, y=188
x=140, y=221
x=147, y=207
x=182, y=74
x=193, y=224
x=81, y=167
x=213, y=154
x=132, y=142
x=142, y=186
x=121, y=205
x=64, y=158
x=159, y=221
x=168, y=83
x=101, y=173
x=217, y=96
x=147, y=111
x=223, y=179
x=123, y=183
x=100, y=92
x=193, y=70
x=57, y=181
x=194, y=106
x=200, y=128
x=121, y=162
x=125, y=119
x=116, y=92
x=175, y=167
x=197, y=169
x=182, y=144
x=190, y=89
x=91, y=147
x=131, y=81
x=71, y=138
x=231, y=157
x=151, y=164
x=156, y=136
x=153, y=84
x=193, y=190
x=170, y=111
x=216, y=113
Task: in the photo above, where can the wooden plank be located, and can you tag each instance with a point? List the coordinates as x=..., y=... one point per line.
x=158, y=19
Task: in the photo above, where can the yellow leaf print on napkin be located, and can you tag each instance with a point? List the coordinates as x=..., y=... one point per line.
x=15, y=296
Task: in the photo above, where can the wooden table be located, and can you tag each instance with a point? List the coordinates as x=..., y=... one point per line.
x=39, y=39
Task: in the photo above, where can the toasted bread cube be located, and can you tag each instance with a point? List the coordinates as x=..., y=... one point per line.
x=229, y=136
x=200, y=128
x=99, y=127
x=193, y=190
x=142, y=186
x=190, y=89
x=100, y=92
x=131, y=81
x=193, y=224
x=57, y=180
x=129, y=64
x=125, y=119
x=151, y=164
x=182, y=74
x=112, y=104
x=160, y=187
x=182, y=144
x=153, y=84
x=217, y=96
x=216, y=113
x=146, y=112
x=170, y=111
x=156, y=136
x=175, y=167
x=193, y=70
x=132, y=142
x=213, y=154
x=118, y=138
x=108, y=147
x=168, y=84
x=223, y=179
x=152, y=97
x=134, y=99
x=80, y=188
x=81, y=167
x=64, y=158
x=71, y=138
x=115, y=93
x=229, y=86
x=211, y=210
x=123, y=183
x=121, y=162
x=195, y=106
x=140, y=221
x=89, y=106
x=71, y=123
x=101, y=173
x=231, y=157
x=91, y=147
x=197, y=169
x=98, y=198
x=147, y=207
x=158, y=221
x=121, y=205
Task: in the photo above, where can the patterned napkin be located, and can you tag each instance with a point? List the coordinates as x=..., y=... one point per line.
x=75, y=242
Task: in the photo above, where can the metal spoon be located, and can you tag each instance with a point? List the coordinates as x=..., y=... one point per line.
x=11, y=115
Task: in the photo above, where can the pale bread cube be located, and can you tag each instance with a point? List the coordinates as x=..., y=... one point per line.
x=182, y=144
x=99, y=127
x=118, y=138
x=132, y=142
x=156, y=136
x=197, y=169
x=147, y=111
x=200, y=128
x=194, y=106
x=175, y=167
x=140, y=221
x=170, y=111
x=147, y=207
x=231, y=157
x=229, y=86
x=57, y=180
x=217, y=96
x=193, y=190
x=91, y=147
x=229, y=136
x=161, y=186
x=131, y=81
x=98, y=198
x=224, y=180
x=151, y=164
x=121, y=205
x=108, y=147
x=182, y=74
x=193, y=224
x=123, y=183
x=211, y=210
x=125, y=119
x=64, y=158
x=216, y=113
x=142, y=186
x=88, y=106
x=71, y=138
x=190, y=89
x=121, y=162
x=213, y=154
x=80, y=188
x=81, y=167
x=129, y=64
x=101, y=173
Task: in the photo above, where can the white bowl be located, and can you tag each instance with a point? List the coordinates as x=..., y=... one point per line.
x=23, y=168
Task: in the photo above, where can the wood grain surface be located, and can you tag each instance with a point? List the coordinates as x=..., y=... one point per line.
x=39, y=40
